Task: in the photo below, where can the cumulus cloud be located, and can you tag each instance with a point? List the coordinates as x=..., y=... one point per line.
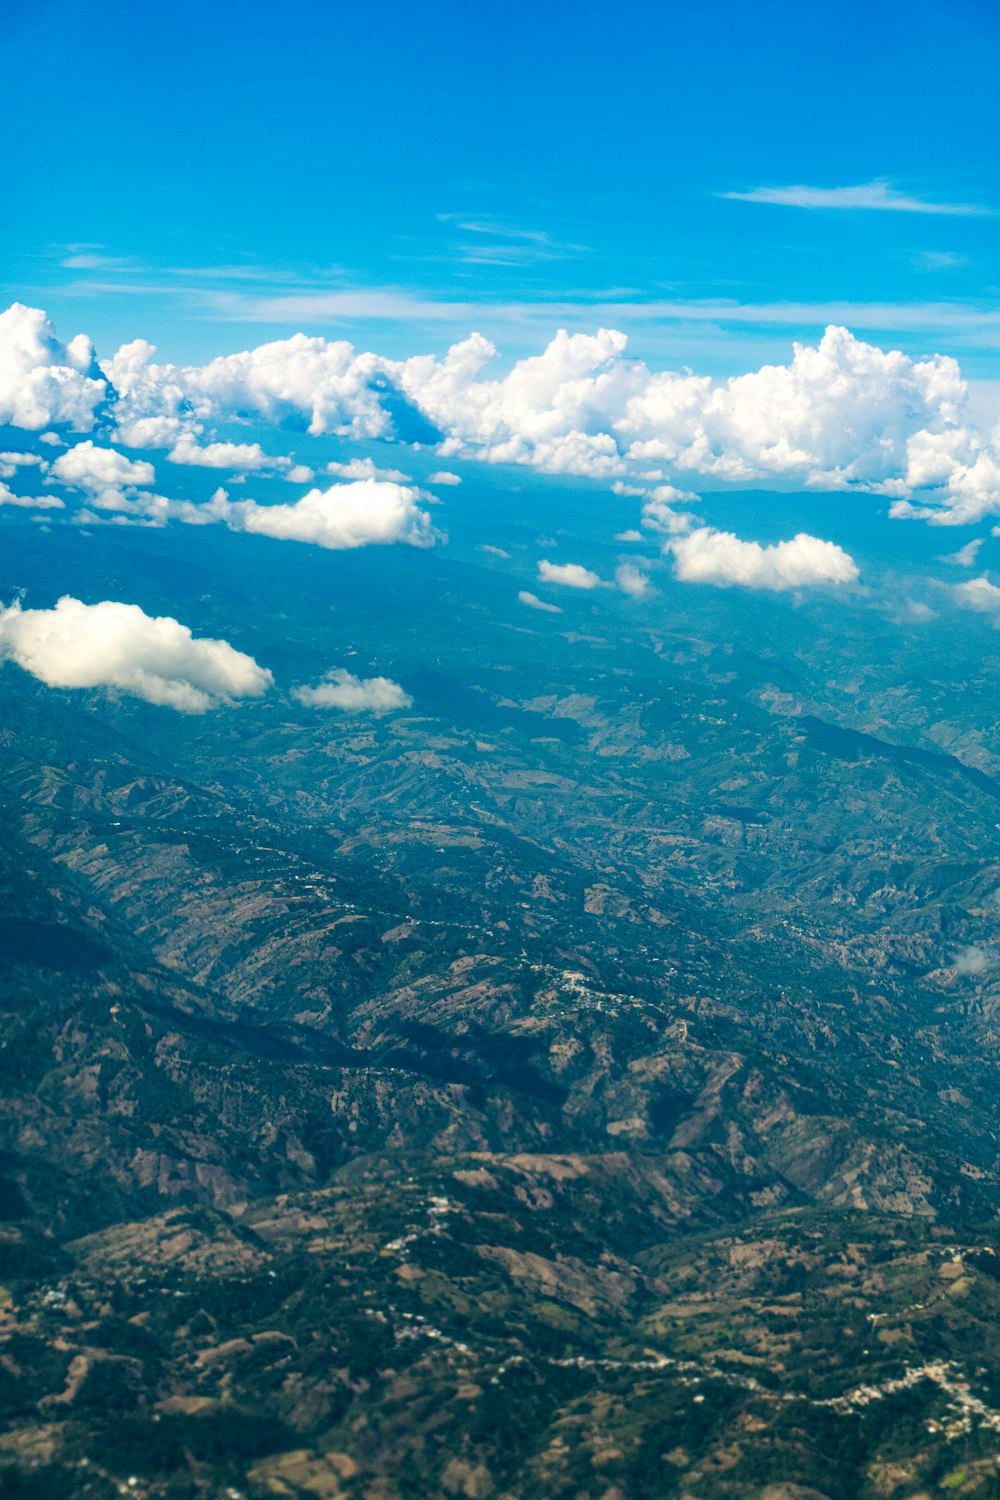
x=43, y=382
x=659, y=512
x=29, y=502
x=11, y=462
x=633, y=581
x=89, y=467
x=980, y=595
x=77, y=645
x=298, y=382
x=152, y=407
x=525, y=596
x=364, y=468
x=718, y=557
x=553, y=411
x=244, y=457
x=569, y=575
x=444, y=476
x=961, y=471
x=109, y=480
x=341, y=689
x=366, y=512
x=840, y=414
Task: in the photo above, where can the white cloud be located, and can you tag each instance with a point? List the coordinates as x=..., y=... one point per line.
x=300, y=474
x=244, y=457
x=139, y=514
x=972, y=320
x=843, y=413
x=720, y=558
x=340, y=689
x=659, y=514
x=152, y=432
x=153, y=409
x=965, y=557
x=87, y=260
x=633, y=581
x=29, y=502
x=364, y=468
x=961, y=468
x=108, y=479
x=553, y=411
x=569, y=575
x=494, y=551
x=878, y=196
x=915, y=612
x=980, y=595
x=42, y=381
x=525, y=596
x=89, y=467
x=300, y=379
x=973, y=961
x=346, y=515
x=840, y=414
x=495, y=243
x=11, y=462
x=443, y=476
x=77, y=645
x=669, y=494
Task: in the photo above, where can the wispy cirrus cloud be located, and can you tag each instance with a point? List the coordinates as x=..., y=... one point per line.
x=92, y=262
x=333, y=297
x=487, y=241
x=973, y=323
x=938, y=260
x=89, y=255
x=878, y=195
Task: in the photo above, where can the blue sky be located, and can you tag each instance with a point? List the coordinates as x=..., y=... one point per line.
x=685, y=190
x=212, y=176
